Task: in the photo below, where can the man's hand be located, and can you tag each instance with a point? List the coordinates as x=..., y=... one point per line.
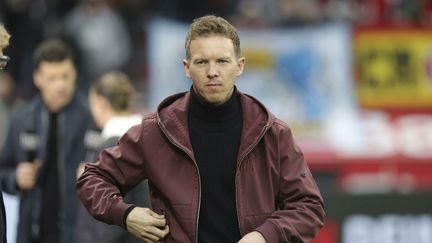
x=147, y=225
x=253, y=237
x=26, y=174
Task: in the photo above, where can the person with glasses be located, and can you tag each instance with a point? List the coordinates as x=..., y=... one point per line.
x=4, y=42
x=221, y=167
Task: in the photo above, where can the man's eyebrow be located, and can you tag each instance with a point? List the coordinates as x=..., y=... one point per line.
x=199, y=59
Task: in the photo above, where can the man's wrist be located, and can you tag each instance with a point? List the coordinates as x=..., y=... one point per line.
x=126, y=214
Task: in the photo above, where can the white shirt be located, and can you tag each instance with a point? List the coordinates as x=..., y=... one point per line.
x=117, y=126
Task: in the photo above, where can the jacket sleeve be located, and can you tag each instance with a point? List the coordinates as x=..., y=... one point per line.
x=103, y=184
x=300, y=212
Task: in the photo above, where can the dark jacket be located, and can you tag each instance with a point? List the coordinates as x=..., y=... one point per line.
x=275, y=192
x=73, y=122
x=2, y=220
x=89, y=230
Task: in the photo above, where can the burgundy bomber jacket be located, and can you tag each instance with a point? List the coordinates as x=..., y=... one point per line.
x=275, y=192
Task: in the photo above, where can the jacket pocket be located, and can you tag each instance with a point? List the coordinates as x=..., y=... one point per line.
x=176, y=219
x=168, y=238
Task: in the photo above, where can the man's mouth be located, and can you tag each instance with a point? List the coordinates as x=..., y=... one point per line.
x=214, y=84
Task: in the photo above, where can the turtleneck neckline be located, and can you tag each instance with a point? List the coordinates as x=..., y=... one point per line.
x=205, y=111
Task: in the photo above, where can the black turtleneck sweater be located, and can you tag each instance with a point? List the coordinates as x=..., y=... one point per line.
x=215, y=133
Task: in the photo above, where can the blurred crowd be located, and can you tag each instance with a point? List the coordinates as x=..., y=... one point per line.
x=111, y=34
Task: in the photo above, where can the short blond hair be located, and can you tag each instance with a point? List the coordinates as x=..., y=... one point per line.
x=4, y=37
x=211, y=25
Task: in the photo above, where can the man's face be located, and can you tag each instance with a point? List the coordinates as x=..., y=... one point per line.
x=56, y=82
x=213, y=68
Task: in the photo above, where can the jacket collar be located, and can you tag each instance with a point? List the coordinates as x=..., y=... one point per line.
x=172, y=117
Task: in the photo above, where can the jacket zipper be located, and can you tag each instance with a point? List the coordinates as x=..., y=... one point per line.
x=199, y=177
x=238, y=166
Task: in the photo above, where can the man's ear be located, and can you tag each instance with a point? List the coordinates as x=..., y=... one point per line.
x=36, y=78
x=240, y=65
x=186, y=68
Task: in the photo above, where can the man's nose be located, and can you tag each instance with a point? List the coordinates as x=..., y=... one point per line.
x=60, y=83
x=212, y=71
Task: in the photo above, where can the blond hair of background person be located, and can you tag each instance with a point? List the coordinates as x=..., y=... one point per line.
x=110, y=99
x=4, y=42
x=221, y=167
x=4, y=38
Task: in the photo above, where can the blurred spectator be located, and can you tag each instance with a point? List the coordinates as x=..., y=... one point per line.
x=255, y=13
x=43, y=149
x=402, y=12
x=8, y=102
x=298, y=12
x=101, y=37
x=110, y=99
x=426, y=13
x=187, y=10
x=6, y=88
x=358, y=12
x=258, y=13
x=339, y=10
x=136, y=13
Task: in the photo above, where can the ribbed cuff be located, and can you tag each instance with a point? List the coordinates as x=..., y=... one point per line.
x=270, y=232
x=118, y=211
x=126, y=213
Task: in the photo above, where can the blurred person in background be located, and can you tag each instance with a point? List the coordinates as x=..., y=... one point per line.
x=110, y=100
x=44, y=147
x=7, y=87
x=101, y=38
x=9, y=102
x=220, y=166
x=4, y=42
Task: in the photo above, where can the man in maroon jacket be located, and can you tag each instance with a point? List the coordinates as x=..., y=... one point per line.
x=220, y=166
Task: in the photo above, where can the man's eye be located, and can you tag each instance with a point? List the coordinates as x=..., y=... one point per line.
x=222, y=61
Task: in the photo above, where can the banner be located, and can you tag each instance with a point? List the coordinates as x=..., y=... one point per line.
x=394, y=67
x=377, y=218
